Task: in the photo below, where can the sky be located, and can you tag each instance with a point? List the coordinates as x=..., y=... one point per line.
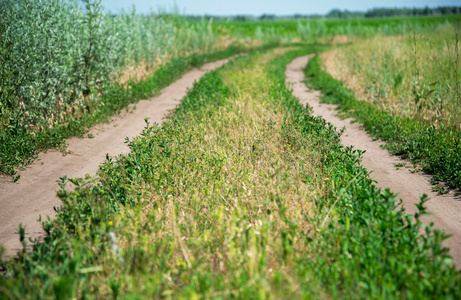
x=259, y=7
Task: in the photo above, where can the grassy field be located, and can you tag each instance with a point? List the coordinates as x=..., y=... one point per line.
x=240, y=194
x=413, y=75
x=312, y=30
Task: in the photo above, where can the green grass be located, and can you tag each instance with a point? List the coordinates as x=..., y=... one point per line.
x=311, y=30
x=437, y=149
x=242, y=193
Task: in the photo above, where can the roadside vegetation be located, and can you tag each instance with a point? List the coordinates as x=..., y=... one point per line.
x=242, y=193
x=66, y=65
x=406, y=90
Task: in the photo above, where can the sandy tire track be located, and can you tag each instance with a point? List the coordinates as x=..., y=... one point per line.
x=35, y=193
x=409, y=186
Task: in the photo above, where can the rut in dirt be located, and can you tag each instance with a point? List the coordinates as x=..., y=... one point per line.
x=410, y=187
x=34, y=194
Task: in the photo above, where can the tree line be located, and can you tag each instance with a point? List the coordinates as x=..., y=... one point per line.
x=342, y=14
x=390, y=12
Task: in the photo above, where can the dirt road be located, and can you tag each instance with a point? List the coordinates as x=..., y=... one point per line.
x=409, y=186
x=35, y=193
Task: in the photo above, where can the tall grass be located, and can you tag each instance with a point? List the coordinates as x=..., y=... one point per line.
x=414, y=75
x=54, y=53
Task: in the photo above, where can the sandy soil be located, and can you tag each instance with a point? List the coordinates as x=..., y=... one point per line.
x=446, y=209
x=35, y=193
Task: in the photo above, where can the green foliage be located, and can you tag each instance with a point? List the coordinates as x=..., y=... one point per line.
x=60, y=59
x=241, y=194
x=54, y=52
x=437, y=149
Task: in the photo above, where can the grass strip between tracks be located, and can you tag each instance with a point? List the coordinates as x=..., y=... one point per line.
x=242, y=193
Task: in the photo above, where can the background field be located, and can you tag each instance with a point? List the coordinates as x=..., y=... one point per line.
x=414, y=74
